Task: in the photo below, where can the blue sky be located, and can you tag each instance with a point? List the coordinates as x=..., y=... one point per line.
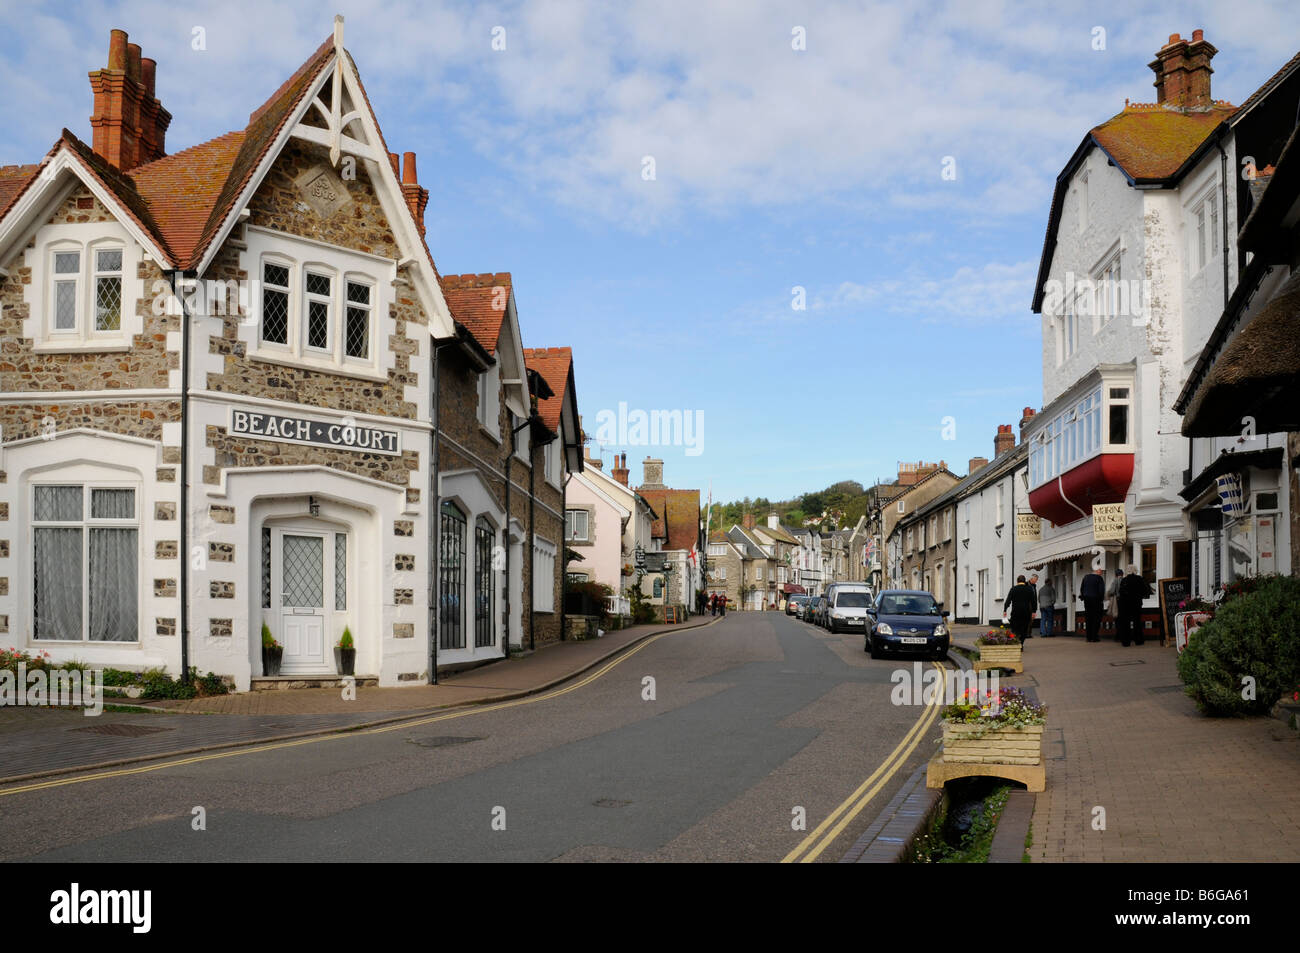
x=774, y=169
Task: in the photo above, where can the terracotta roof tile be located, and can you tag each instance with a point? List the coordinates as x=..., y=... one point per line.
x=181, y=190
x=554, y=364
x=681, y=509
x=1152, y=142
x=474, y=301
x=13, y=180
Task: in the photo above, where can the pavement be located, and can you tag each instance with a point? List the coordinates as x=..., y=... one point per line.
x=36, y=742
x=1136, y=773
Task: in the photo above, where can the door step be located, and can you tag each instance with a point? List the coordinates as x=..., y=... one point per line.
x=270, y=683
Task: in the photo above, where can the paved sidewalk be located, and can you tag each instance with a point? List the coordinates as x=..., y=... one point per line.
x=35, y=742
x=1174, y=784
x=506, y=678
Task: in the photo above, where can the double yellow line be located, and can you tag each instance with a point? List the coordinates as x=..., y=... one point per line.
x=343, y=733
x=825, y=833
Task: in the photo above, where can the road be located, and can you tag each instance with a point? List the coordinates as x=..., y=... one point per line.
x=751, y=721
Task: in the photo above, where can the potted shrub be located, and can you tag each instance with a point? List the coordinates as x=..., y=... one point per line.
x=999, y=649
x=1002, y=727
x=272, y=652
x=345, y=654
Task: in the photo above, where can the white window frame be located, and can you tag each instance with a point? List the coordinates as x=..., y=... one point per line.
x=544, y=561
x=86, y=524
x=570, y=528
x=343, y=266
x=84, y=331
x=308, y=298
x=489, y=401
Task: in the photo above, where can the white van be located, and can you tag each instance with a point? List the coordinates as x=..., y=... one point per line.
x=846, y=606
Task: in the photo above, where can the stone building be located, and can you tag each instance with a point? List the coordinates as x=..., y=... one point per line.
x=217, y=407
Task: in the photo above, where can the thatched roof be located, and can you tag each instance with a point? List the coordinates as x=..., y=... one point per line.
x=1257, y=374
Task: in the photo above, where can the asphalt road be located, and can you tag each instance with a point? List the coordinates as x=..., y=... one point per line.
x=752, y=720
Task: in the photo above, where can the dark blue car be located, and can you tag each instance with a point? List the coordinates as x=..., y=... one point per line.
x=907, y=622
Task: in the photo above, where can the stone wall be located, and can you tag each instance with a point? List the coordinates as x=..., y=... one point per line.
x=145, y=365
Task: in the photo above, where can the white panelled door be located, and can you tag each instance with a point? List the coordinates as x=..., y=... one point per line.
x=305, y=584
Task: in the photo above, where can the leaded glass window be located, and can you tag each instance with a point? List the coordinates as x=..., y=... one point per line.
x=483, y=602
x=451, y=577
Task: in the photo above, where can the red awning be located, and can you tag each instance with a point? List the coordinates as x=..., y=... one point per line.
x=1103, y=479
x=792, y=589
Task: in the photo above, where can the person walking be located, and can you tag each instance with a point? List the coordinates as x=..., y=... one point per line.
x=722, y=604
x=1020, y=604
x=713, y=603
x=1132, y=590
x=1092, y=590
x=1046, y=609
x=1112, y=600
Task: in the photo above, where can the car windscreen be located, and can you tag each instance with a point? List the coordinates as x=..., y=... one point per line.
x=908, y=605
x=853, y=600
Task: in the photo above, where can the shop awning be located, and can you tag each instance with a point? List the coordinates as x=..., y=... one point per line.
x=791, y=589
x=1271, y=458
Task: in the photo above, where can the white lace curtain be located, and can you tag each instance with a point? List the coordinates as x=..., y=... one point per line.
x=60, y=576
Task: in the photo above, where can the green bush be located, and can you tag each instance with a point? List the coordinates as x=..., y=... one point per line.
x=1255, y=634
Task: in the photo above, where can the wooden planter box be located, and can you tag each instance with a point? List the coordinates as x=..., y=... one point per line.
x=1000, y=656
x=999, y=746
x=1012, y=753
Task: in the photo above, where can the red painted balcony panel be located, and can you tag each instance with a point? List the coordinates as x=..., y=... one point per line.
x=1103, y=479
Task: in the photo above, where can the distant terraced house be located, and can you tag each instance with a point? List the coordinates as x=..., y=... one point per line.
x=217, y=401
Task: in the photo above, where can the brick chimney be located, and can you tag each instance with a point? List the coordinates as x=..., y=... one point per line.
x=590, y=460
x=747, y=520
x=1183, y=72
x=417, y=199
x=1004, y=441
x=976, y=464
x=1025, y=416
x=129, y=124
x=619, y=470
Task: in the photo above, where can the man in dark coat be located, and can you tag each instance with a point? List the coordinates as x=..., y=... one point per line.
x=1092, y=590
x=1021, y=604
x=1132, y=590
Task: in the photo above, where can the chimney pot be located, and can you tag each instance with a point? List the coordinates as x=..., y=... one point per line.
x=1174, y=38
x=396, y=163
x=408, y=169
x=117, y=50
x=148, y=71
x=133, y=62
x=1198, y=35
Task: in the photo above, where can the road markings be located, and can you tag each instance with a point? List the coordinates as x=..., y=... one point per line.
x=446, y=716
x=811, y=847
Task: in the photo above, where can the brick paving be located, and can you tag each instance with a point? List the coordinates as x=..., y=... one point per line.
x=1174, y=785
x=41, y=741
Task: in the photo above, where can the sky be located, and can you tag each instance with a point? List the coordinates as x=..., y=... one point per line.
x=811, y=228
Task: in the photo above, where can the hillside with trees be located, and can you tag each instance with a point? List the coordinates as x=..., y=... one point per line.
x=839, y=506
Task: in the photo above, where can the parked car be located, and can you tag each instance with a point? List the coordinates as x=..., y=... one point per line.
x=907, y=622
x=846, y=606
x=793, y=603
x=818, y=611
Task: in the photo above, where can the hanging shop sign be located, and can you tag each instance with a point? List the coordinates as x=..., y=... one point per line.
x=1108, y=522
x=341, y=434
x=1029, y=527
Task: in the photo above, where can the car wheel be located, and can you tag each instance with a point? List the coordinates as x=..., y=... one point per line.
x=874, y=652
x=833, y=628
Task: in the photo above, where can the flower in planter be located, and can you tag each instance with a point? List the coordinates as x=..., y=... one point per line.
x=268, y=640
x=1007, y=708
x=345, y=642
x=998, y=636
